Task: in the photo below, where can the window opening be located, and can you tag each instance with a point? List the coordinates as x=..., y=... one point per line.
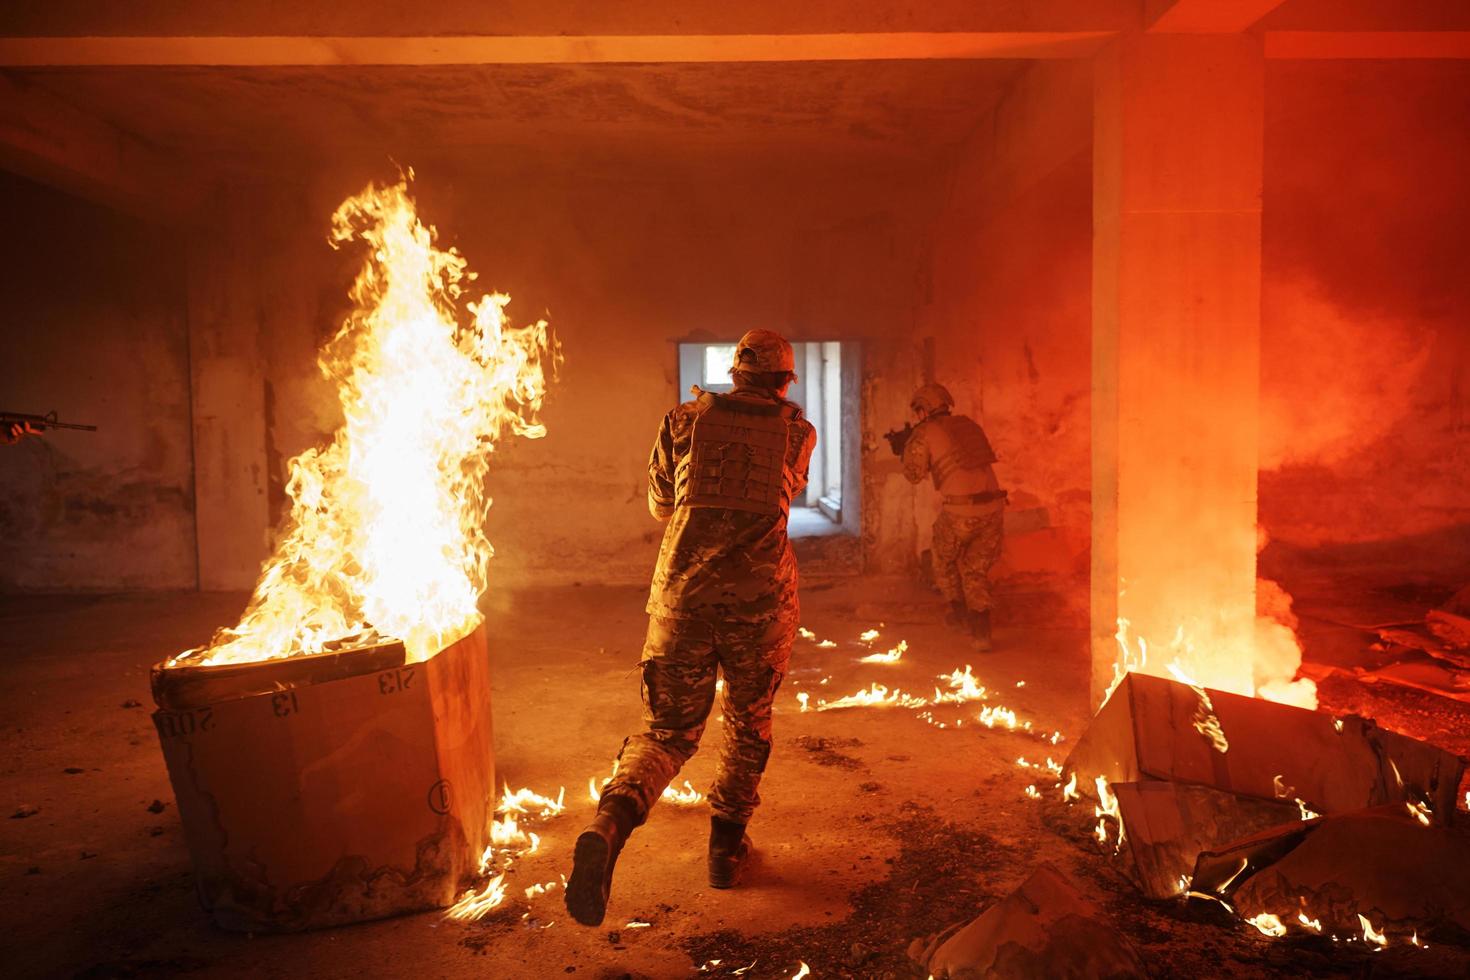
x=717, y=361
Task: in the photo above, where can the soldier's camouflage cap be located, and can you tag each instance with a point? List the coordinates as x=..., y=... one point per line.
x=764, y=350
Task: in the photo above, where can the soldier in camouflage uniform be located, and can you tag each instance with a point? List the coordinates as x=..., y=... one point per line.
x=723, y=600
x=953, y=450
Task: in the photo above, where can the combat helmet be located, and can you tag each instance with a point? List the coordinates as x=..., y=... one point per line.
x=764, y=351
x=931, y=398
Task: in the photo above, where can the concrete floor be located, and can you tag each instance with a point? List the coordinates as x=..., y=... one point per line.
x=878, y=826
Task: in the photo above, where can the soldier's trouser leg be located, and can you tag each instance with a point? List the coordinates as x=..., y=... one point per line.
x=980, y=550
x=946, y=547
x=754, y=659
x=679, y=672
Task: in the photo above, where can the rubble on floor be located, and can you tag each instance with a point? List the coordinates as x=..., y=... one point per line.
x=1046, y=928
x=1432, y=655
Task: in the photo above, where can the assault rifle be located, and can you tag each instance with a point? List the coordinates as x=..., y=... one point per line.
x=40, y=422
x=898, y=438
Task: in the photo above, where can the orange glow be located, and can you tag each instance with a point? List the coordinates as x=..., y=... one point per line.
x=1262, y=664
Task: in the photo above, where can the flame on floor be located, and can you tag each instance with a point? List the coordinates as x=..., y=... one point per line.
x=509, y=842
x=892, y=656
x=1372, y=935
x=475, y=903
x=1268, y=924
x=688, y=796
x=963, y=687
x=876, y=695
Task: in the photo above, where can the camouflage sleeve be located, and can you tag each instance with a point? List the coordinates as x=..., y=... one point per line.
x=916, y=457
x=661, y=472
x=802, y=459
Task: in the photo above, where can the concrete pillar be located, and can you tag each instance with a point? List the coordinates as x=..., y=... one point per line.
x=1176, y=346
x=227, y=382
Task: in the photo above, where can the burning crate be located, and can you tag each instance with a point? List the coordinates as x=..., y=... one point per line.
x=1186, y=770
x=1152, y=728
x=327, y=789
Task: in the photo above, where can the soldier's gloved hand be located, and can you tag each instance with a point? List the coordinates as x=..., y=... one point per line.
x=899, y=438
x=16, y=431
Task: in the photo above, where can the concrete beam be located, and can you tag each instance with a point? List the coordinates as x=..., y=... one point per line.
x=1368, y=44
x=1185, y=17
x=1205, y=16
x=54, y=143
x=537, y=18
x=265, y=52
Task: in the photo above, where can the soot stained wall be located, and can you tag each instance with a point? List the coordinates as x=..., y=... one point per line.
x=1366, y=320
x=94, y=304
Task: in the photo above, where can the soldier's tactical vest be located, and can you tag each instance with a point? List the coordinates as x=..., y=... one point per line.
x=737, y=456
x=956, y=443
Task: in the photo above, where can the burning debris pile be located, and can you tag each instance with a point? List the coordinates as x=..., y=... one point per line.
x=1291, y=819
x=331, y=753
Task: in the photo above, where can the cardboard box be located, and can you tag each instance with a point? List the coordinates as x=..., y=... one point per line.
x=1381, y=863
x=1147, y=730
x=1169, y=824
x=318, y=791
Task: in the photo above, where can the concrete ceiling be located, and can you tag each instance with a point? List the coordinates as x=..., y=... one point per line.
x=279, y=120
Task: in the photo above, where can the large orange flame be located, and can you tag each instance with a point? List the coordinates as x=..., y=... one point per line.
x=385, y=534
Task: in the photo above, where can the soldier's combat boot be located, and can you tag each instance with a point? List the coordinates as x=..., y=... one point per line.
x=980, y=630
x=729, y=851
x=595, y=856
x=956, y=614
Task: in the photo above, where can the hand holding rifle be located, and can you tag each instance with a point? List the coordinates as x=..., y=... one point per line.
x=15, y=426
x=898, y=438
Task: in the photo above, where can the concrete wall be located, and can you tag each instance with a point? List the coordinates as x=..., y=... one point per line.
x=1366, y=330
x=95, y=329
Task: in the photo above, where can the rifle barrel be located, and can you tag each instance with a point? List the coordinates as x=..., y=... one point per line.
x=43, y=421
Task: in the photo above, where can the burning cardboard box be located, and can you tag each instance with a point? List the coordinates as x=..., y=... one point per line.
x=1383, y=873
x=1153, y=728
x=333, y=788
x=1185, y=770
x=320, y=785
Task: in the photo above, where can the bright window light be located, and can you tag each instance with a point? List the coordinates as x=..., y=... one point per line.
x=717, y=360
